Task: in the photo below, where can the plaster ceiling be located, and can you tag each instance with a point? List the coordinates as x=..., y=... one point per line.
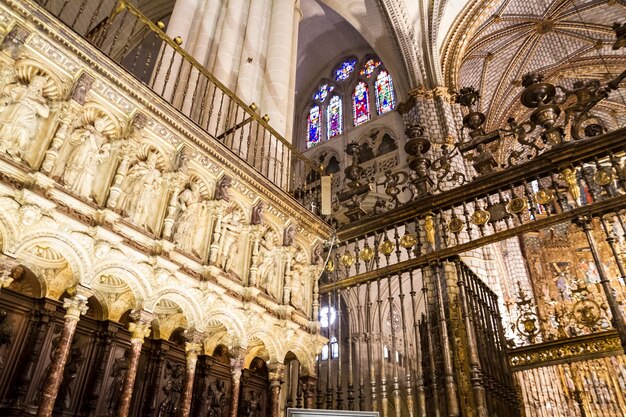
x=506, y=39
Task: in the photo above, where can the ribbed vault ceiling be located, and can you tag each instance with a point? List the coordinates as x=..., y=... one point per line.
x=496, y=44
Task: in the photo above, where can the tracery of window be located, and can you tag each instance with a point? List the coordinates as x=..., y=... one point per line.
x=323, y=91
x=369, y=67
x=385, y=101
x=334, y=117
x=313, y=127
x=345, y=69
x=334, y=348
x=360, y=104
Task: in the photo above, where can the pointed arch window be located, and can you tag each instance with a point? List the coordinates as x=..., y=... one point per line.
x=385, y=100
x=313, y=127
x=360, y=104
x=334, y=113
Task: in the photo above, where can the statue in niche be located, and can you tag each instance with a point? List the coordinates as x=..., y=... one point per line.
x=231, y=228
x=252, y=405
x=298, y=286
x=118, y=374
x=139, y=190
x=89, y=150
x=6, y=335
x=70, y=373
x=187, y=233
x=267, y=263
x=20, y=111
x=173, y=389
x=216, y=397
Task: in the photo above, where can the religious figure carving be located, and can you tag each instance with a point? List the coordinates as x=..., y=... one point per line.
x=6, y=335
x=267, y=263
x=221, y=191
x=20, y=113
x=70, y=373
x=231, y=228
x=139, y=190
x=173, y=389
x=251, y=406
x=193, y=210
x=89, y=150
x=118, y=374
x=216, y=397
x=299, y=280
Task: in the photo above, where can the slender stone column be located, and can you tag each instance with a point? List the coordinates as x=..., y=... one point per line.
x=226, y=62
x=74, y=306
x=236, y=367
x=277, y=69
x=250, y=62
x=193, y=348
x=139, y=329
x=309, y=384
x=277, y=372
x=297, y=17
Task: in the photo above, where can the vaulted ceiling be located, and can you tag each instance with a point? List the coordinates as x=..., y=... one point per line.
x=494, y=43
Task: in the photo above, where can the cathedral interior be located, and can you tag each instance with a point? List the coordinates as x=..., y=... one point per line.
x=222, y=208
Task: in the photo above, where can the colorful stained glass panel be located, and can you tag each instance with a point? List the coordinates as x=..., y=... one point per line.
x=323, y=91
x=345, y=69
x=360, y=104
x=385, y=100
x=369, y=67
x=333, y=117
x=314, y=126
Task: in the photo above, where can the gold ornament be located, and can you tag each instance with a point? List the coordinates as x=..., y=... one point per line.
x=387, y=247
x=330, y=266
x=366, y=254
x=543, y=197
x=429, y=226
x=569, y=176
x=455, y=225
x=603, y=176
x=407, y=241
x=517, y=205
x=480, y=217
x=347, y=259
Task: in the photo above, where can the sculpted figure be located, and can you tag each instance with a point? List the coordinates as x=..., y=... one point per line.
x=139, y=189
x=89, y=149
x=231, y=228
x=298, y=286
x=267, y=263
x=216, y=397
x=25, y=105
x=173, y=389
x=187, y=234
x=114, y=395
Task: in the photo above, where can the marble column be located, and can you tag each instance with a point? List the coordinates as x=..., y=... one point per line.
x=193, y=348
x=139, y=329
x=309, y=384
x=297, y=17
x=74, y=307
x=277, y=372
x=236, y=367
x=277, y=68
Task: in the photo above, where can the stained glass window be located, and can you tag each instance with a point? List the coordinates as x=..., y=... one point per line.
x=385, y=100
x=333, y=117
x=369, y=67
x=314, y=126
x=345, y=69
x=360, y=104
x=323, y=91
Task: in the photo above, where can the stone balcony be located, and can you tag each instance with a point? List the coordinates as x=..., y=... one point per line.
x=105, y=184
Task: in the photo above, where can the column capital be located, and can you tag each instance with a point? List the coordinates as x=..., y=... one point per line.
x=77, y=304
x=276, y=372
x=140, y=326
x=193, y=346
